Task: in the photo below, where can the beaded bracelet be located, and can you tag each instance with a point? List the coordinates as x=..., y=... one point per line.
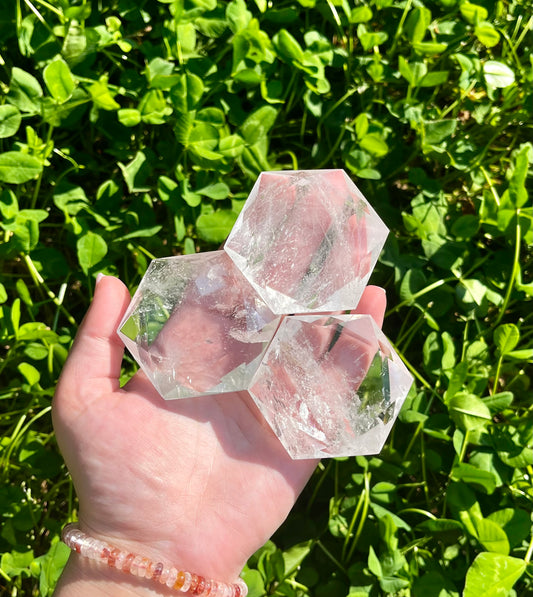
x=143, y=567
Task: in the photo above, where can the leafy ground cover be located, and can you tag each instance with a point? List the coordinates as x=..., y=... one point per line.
x=133, y=129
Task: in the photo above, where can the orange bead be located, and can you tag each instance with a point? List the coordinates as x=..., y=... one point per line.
x=179, y=581
x=127, y=562
x=112, y=557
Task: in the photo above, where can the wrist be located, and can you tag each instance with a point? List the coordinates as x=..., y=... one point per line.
x=82, y=577
x=101, y=564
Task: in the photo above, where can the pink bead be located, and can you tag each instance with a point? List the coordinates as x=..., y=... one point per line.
x=243, y=587
x=187, y=582
x=91, y=549
x=199, y=589
x=75, y=543
x=172, y=575
x=164, y=575
x=135, y=565
x=121, y=557
x=143, y=567
x=150, y=570
x=157, y=570
x=99, y=550
x=73, y=537
x=194, y=583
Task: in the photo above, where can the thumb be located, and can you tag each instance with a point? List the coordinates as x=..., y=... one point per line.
x=373, y=302
x=94, y=362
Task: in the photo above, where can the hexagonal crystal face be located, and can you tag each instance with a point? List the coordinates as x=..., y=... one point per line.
x=307, y=241
x=196, y=326
x=330, y=385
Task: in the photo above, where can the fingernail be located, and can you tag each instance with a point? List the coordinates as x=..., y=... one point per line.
x=98, y=278
x=378, y=288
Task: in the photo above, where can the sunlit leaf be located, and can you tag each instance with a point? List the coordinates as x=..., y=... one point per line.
x=257, y=125
x=417, y=24
x=10, y=119
x=25, y=91
x=468, y=411
x=493, y=575
x=506, y=337
x=129, y=116
x=473, y=13
x=17, y=167
x=59, y=80
x=91, y=249
x=215, y=227
x=102, y=97
x=487, y=34
x=497, y=74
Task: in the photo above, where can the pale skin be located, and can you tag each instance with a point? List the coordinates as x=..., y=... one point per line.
x=199, y=483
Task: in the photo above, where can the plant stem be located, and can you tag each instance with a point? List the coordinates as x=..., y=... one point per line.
x=364, y=514
x=331, y=557
x=491, y=186
x=420, y=293
x=351, y=526
x=416, y=374
x=464, y=446
x=497, y=374
x=325, y=470
x=41, y=18
x=399, y=30
x=39, y=281
x=529, y=553
x=11, y=444
x=418, y=429
x=514, y=271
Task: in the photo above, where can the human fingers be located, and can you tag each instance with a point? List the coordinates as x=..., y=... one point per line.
x=373, y=302
x=93, y=365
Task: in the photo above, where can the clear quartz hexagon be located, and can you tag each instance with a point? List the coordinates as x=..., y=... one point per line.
x=307, y=240
x=196, y=326
x=330, y=385
x=262, y=316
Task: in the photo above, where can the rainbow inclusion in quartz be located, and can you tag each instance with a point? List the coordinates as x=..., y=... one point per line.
x=262, y=316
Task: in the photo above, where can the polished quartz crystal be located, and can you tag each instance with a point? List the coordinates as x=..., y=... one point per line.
x=265, y=315
x=307, y=241
x=330, y=385
x=196, y=326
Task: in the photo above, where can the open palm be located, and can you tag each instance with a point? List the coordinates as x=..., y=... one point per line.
x=200, y=482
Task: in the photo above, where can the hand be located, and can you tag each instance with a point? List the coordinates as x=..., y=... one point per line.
x=201, y=483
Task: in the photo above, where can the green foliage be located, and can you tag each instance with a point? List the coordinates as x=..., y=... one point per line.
x=136, y=129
